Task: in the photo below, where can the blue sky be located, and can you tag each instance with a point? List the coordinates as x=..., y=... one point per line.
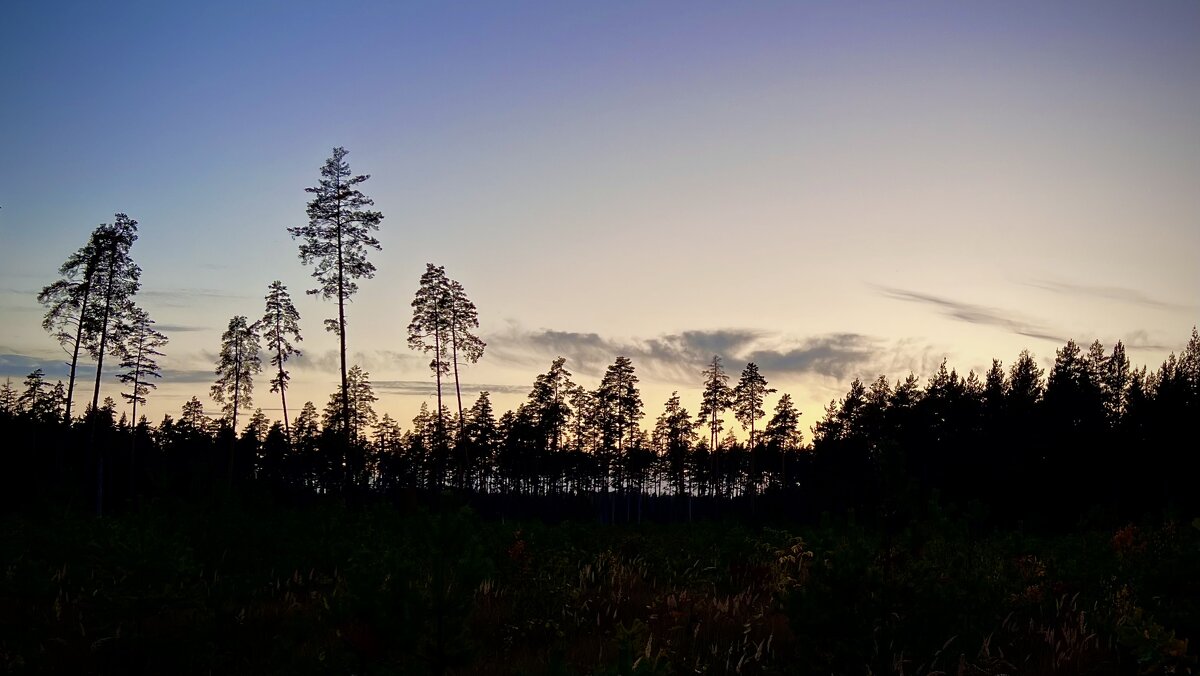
x=833, y=189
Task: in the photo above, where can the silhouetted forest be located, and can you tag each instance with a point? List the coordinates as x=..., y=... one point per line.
x=1094, y=435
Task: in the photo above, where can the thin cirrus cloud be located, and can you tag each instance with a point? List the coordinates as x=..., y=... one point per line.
x=974, y=314
x=426, y=388
x=1117, y=293
x=187, y=297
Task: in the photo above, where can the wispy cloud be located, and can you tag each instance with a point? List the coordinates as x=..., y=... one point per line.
x=679, y=357
x=20, y=365
x=178, y=328
x=1116, y=293
x=370, y=360
x=189, y=297
x=1141, y=340
x=975, y=314
x=428, y=388
x=189, y=376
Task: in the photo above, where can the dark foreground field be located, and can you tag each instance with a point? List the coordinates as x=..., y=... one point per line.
x=377, y=590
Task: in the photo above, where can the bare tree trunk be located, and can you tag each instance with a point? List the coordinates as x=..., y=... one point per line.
x=96, y=391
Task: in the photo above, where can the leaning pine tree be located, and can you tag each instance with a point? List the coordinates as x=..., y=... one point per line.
x=67, y=303
x=111, y=304
x=465, y=346
x=335, y=242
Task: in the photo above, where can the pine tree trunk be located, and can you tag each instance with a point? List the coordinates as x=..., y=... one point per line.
x=237, y=388
x=96, y=391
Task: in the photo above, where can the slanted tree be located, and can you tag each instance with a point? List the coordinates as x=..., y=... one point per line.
x=279, y=326
x=429, y=330
x=114, y=281
x=117, y=280
x=465, y=346
x=336, y=240
x=68, y=304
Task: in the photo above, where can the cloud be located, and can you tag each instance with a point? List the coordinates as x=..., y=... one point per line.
x=1140, y=340
x=373, y=360
x=679, y=357
x=428, y=388
x=20, y=365
x=188, y=376
x=835, y=355
x=188, y=297
x=1117, y=293
x=974, y=314
x=178, y=328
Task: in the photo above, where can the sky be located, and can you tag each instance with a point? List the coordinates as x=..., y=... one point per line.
x=830, y=190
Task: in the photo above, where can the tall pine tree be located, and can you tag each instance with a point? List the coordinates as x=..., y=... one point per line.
x=335, y=243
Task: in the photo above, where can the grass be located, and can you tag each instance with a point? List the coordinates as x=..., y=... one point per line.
x=376, y=590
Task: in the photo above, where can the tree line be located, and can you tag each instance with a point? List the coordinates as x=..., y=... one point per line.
x=1094, y=433
x=1091, y=434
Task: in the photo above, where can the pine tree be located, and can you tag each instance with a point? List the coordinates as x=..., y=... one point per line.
x=674, y=436
x=280, y=326
x=362, y=411
x=117, y=280
x=237, y=364
x=464, y=344
x=783, y=429
x=336, y=240
x=481, y=436
x=68, y=304
x=140, y=345
x=36, y=402
x=748, y=399
x=716, y=398
x=429, y=330
x=9, y=405
x=618, y=408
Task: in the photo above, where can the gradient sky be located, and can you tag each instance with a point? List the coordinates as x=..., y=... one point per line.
x=830, y=189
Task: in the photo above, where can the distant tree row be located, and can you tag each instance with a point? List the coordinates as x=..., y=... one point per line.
x=1018, y=444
